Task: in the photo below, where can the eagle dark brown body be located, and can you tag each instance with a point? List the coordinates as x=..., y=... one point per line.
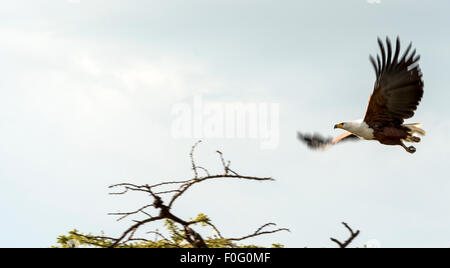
x=392, y=135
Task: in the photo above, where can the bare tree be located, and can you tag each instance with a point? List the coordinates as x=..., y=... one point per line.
x=175, y=190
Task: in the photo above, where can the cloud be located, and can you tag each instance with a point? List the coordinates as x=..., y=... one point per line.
x=79, y=114
x=88, y=89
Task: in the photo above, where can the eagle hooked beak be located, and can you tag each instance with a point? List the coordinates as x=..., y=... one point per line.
x=340, y=125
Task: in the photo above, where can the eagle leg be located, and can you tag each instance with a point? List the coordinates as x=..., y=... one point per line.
x=410, y=149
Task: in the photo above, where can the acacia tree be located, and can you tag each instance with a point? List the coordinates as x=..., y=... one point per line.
x=163, y=197
x=181, y=232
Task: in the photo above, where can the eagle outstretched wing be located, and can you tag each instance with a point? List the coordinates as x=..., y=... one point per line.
x=398, y=87
x=318, y=142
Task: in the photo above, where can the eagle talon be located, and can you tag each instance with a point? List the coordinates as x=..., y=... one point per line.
x=411, y=149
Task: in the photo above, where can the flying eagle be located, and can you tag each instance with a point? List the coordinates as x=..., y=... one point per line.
x=397, y=92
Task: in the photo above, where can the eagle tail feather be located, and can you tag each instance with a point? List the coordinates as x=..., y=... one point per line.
x=415, y=128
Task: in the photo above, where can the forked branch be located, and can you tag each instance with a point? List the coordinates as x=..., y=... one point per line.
x=353, y=235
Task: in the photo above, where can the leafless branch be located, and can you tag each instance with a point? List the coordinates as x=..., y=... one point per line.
x=219, y=234
x=133, y=229
x=183, y=188
x=126, y=214
x=177, y=190
x=158, y=234
x=226, y=166
x=194, y=167
x=260, y=231
x=353, y=235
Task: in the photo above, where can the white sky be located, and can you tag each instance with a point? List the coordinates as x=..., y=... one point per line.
x=87, y=91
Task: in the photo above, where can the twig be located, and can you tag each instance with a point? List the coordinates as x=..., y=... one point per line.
x=260, y=231
x=183, y=188
x=194, y=167
x=126, y=214
x=353, y=235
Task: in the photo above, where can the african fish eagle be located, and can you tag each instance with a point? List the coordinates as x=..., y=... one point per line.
x=397, y=92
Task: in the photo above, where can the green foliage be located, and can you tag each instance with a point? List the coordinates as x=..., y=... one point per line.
x=175, y=239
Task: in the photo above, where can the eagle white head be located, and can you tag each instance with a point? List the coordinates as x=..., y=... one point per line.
x=357, y=127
